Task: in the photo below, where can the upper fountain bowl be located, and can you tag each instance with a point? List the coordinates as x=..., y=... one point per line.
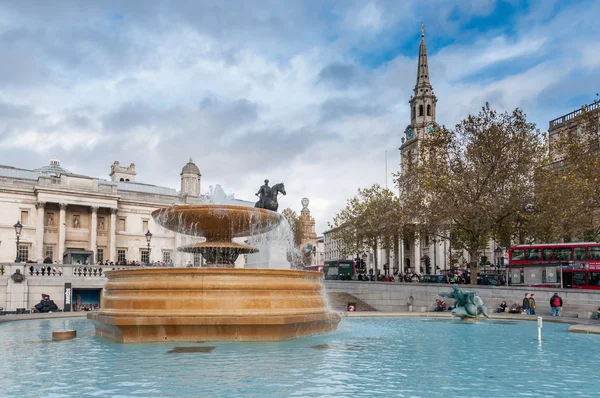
x=216, y=222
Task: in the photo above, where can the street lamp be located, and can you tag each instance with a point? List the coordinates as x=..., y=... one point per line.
x=498, y=253
x=18, y=228
x=148, y=239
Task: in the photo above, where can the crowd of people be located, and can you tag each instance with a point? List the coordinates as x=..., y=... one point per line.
x=528, y=305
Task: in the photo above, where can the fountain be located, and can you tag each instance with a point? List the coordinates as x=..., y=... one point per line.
x=219, y=302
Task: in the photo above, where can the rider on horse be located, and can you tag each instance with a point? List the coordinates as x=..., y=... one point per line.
x=263, y=193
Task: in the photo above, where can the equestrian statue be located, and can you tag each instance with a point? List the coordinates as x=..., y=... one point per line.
x=268, y=196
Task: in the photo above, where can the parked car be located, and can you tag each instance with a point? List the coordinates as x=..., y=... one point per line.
x=432, y=279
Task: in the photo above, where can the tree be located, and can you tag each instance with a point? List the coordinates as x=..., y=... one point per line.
x=473, y=181
x=568, y=204
x=294, y=222
x=370, y=218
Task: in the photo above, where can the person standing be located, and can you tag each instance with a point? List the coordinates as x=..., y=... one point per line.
x=556, y=304
x=525, y=305
x=532, y=304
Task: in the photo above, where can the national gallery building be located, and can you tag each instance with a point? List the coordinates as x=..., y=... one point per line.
x=74, y=219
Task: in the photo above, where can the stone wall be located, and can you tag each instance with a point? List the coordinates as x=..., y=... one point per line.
x=396, y=297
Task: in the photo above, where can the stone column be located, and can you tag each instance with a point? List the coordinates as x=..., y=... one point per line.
x=416, y=254
x=39, y=231
x=62, y=231
x=94, y=234
x=113, y=235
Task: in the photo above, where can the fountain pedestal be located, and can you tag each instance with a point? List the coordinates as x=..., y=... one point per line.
x=212, y=304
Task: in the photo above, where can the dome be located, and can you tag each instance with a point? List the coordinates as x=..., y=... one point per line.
x=190, y=168
x=53, y=168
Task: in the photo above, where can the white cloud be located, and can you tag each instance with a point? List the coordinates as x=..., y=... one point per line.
x=278, y=91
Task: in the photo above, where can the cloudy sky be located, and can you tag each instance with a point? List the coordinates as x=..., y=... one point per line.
x=311, y=93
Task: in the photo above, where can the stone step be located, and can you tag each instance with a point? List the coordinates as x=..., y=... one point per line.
x=338, y=301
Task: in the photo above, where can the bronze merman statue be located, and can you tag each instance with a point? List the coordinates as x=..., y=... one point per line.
x=467, y=305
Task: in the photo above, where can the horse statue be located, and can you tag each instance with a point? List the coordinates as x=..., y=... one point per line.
x=268, y=196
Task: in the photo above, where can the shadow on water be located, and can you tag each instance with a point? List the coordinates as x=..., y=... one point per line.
x=482, y=320
x=337, y=347
x=187, y=350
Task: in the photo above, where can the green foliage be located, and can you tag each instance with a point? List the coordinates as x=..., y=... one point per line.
x=473, y=180
x=373, y=216
x=294, y=221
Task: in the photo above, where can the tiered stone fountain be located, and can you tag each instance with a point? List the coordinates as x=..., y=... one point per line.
x=217, y=303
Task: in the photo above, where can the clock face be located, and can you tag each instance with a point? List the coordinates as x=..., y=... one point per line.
x=430, y=128
x=409, y=133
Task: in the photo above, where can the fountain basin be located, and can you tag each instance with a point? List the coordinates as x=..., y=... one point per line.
x=212, y=304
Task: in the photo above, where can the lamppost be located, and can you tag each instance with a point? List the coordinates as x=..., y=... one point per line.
x=18, y=228
x=148, y=239
x=498, y=254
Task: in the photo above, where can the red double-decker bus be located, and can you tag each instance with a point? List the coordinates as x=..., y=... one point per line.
x=570, y=265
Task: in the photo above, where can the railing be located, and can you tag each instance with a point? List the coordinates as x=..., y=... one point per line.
x=570, y=116
x=36, y=270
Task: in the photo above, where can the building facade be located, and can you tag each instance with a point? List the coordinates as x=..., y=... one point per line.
x=70, y=219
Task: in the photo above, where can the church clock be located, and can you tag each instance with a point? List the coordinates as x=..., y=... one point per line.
x=409, y=133
x=430, y=128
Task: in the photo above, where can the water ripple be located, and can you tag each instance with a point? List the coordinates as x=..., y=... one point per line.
x=365, y=358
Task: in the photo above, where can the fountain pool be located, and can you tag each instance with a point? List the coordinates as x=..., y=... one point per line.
x=366, y=357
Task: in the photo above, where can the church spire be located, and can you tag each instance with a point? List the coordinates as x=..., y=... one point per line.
x=423, y=69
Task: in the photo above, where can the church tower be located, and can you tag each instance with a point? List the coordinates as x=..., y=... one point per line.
x=416, y=250
x=422, y=109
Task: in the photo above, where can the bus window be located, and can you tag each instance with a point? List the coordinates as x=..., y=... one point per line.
x=594, y=279
x=593, y=253
x=534, y=254
x=578, y=279
x=580, y=253
x=518, y=254
x=562, y=254
x=547, y=255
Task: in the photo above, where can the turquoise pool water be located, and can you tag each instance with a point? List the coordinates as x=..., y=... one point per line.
x=384, y=357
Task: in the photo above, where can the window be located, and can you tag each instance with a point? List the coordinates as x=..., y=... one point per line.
x=121, y=225
x=100, y=255
x=121, y=255
x=593, y=253
x=562, y=254
x=49, y=252
x=145, y=226
x=23, y=252
x=197, y=260
x=420, y=110
x=578, y=278
x=50, y=219
x=24, y=217
x=428, y=110
x=166, y=256
x=518, y=254
x=580, y=253
x=547, y=254
x=534, y=254
x=594, y=279
x=101, y=224
x=145, y=258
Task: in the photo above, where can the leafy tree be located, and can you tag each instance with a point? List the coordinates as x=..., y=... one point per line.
x=294, y=221
x=472, y=181
x=371, y=218
x=568, y=203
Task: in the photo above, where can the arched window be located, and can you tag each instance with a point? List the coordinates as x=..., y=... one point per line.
x=420, y=110
x=122, y=179
x=428, y=110
x=414, y=112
